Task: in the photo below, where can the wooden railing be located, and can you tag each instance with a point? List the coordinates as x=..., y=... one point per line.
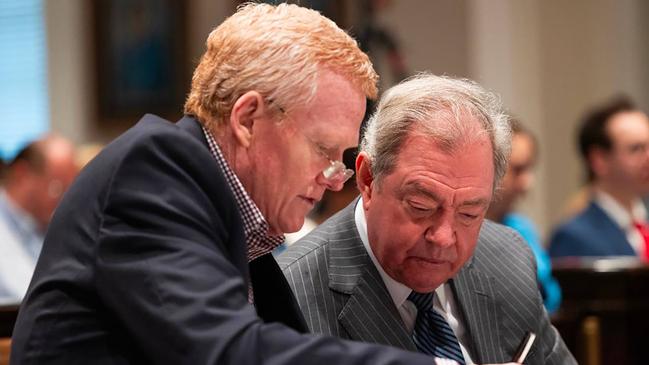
x=8, y=316
x=604, y=316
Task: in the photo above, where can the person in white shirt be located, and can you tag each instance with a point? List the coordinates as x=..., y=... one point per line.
x=614, y=144
x=35, y=181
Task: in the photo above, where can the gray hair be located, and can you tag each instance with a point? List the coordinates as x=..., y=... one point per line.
x=436, y=107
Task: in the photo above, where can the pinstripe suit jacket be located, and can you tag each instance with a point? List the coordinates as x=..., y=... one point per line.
x=342, y=294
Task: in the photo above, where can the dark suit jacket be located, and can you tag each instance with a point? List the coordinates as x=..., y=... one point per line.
x=590, y=233
x=145, y=263
x=341, y=293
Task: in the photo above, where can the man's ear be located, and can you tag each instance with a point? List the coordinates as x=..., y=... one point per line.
x=21, y=170
x=364, y=178
x=599, y=161
x=246, y=110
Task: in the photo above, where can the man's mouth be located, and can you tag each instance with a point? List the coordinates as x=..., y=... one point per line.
x=432, y=261
x=311, y=201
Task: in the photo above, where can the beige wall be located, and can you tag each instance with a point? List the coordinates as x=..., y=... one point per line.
x=591, y=50
x=548, y=59
x=71, y=83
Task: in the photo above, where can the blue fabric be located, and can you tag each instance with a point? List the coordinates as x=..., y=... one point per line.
x=590, y=233
x=549, y=286
x=432, y=334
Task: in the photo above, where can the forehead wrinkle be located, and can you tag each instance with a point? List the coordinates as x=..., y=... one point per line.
x=417, y=187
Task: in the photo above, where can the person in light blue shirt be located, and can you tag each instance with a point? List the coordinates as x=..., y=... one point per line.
x=550, y=288
x=34, y=183
x=516, y=182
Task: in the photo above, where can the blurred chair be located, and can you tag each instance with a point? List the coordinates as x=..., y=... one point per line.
x=5, y=345
x=604, y=317
x=8, y=316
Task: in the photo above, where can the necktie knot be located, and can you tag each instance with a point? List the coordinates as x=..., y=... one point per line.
x=423, y=301
x=641, y=226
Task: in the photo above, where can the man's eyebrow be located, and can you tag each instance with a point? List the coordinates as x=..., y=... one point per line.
x=476, y=202
x=417, y=188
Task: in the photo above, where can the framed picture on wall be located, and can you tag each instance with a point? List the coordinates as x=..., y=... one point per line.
x=140, y=57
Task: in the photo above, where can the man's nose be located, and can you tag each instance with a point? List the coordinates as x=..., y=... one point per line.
x=442, y=232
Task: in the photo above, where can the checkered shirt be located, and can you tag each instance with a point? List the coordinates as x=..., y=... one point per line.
x=255, y=227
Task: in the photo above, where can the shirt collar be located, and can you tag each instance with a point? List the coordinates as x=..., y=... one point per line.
x=620, y=215
x=255, y=226
x=397, y=290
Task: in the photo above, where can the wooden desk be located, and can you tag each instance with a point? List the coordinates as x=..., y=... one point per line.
x=5, y=344
x=604, y=316
x=8, y=316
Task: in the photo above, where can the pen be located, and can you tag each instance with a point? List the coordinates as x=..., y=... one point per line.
x=524, y=348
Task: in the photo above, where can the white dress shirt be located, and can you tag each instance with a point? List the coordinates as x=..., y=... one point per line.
x=444, y=302
x=624, y=219
x=20, y=245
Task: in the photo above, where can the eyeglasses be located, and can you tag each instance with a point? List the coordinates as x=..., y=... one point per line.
x=336, y=173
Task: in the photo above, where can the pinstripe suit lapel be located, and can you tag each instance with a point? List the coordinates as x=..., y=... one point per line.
x=475, y=295
x=369, y=314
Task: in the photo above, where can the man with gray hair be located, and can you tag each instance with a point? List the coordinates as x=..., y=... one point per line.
x=160, y=251
x=412, y=263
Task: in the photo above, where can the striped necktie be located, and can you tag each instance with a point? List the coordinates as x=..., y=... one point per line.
x=432, y=334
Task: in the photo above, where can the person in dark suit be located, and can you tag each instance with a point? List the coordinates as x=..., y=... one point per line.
x=430, y=159
x=614, y=144
x=160, y=251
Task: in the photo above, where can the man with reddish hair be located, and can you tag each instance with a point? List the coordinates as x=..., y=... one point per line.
x=160, y=252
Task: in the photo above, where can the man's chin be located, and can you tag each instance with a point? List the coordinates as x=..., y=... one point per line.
x=424, y=288
x=425, y=285
x=290, y=226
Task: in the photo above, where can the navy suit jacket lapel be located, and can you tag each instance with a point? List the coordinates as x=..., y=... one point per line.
x=610, y=235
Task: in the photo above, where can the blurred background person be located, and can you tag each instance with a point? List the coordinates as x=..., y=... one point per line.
x=614, y=145
x=34, y=182
x=517, y=181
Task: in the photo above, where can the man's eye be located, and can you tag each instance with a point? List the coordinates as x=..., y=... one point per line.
x=419, y=208
x=637, y=148
x=324, y=151
x=469, y=216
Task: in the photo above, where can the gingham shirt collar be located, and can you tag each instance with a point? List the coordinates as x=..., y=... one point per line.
x=255, y=227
